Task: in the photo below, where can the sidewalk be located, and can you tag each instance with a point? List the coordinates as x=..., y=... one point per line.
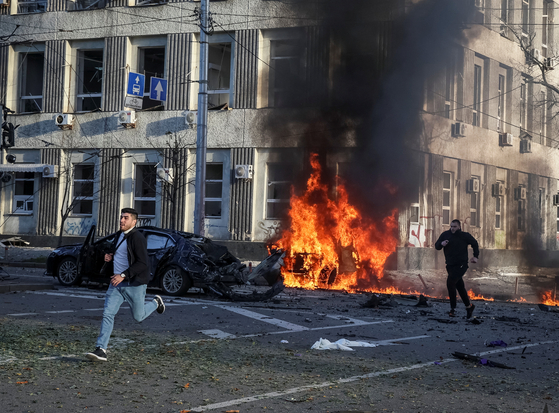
x=22, y=258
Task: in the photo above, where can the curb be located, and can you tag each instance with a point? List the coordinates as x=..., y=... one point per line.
x=23, y=264
x=25, y=287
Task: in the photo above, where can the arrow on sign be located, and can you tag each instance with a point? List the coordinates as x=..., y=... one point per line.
x=159, y=89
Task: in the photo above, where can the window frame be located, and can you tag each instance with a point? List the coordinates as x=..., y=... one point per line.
x=269, y=185
x=450, y=191
x=214, y=199
x=87, y=181
x=136, y=198
x=25, y=198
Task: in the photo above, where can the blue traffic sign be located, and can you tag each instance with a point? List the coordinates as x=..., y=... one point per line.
x=158, y=89
x=136, y=83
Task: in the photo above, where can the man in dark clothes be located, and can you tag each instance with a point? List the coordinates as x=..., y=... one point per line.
x=130, y=262
x=455, y=244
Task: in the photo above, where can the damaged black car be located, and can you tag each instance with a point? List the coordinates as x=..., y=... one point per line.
x=178, y=261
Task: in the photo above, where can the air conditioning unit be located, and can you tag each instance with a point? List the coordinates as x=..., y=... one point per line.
x=498, y=189
x=472, y=185
x=64, y=120
x=127, y=118
x=165, y=175
x=50, y=171
x=459, y=129
x=556, y=199
x=5, y=177
x=520, y=193
x=505, y=139
x=243, y=171
x=548, y=63
x=191, y=117
x=478, y=3
x=525, y=146
x=503, y=31
x=535, y=54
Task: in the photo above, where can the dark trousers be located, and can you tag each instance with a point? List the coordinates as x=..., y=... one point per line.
x=455, y=282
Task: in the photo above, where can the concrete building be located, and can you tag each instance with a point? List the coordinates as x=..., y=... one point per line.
x=488, y=145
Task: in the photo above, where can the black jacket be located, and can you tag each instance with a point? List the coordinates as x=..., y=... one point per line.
x=138, y=272
x=456, y=251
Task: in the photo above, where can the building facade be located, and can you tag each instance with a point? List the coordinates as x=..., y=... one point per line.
x=488, y=147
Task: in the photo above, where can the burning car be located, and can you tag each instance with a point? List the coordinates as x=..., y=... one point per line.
x=178, y=261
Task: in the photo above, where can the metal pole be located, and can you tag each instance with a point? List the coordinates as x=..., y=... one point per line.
x=202, y=124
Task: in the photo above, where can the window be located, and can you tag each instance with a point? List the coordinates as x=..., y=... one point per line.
x=30, y=6
x=31, y=82
x=543, y=116
x=504, y=11
x=219, y=74
x=151, y=64
x=414, y=213
x=525, y=17
x=145, y=185
x=89, y=4
x=501, y=104
x=157, y=241
x=541, y=209
x=545, y=27
x=498, y=209
x=83, y=189
x=285, y=72
x=447, y=197
x=214, y=190
x=90, y=80
x=474, y=206
x=525, y=102
x=24, y=190
x=449, y=91
x=476, y=108
x=521, y=214
x=279, y=177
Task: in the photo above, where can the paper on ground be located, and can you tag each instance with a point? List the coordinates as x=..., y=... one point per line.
x=342, y=344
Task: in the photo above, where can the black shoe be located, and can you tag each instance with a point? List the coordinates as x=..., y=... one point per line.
x=160, y=304
x=97, y=355
x=470, y=310
x=452, y=313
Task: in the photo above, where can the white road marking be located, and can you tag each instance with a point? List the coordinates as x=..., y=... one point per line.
x=264, y=318
x=22, y=314
x=217, y=334
x=346, y=380
x=61, y=311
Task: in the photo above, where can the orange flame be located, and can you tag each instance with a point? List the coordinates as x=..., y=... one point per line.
x=474, y=296
x=330, y=244
x=549, y=298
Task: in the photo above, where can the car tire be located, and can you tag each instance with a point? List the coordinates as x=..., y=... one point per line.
x=67, y=272
x=174, y=281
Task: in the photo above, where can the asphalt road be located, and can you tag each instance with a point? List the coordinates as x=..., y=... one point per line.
x=208, y=355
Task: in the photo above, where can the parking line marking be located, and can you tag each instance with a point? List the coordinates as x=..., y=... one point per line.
x=22, y=314
x=217, y=334
x=270, y=395
x=261, y=317
x=61, y=311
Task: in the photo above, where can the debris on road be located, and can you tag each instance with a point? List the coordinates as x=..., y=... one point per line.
x=480, y=360
x=496, y=343
x=342, y=344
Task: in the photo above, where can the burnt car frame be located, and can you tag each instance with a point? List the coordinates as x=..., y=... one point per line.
x=178, y=261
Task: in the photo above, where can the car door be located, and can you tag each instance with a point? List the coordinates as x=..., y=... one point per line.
x=159, y=246
x=92, y=256
x=85, y=258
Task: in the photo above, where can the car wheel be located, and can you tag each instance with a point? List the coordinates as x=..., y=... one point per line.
x=67, y=272
x=175, y=281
